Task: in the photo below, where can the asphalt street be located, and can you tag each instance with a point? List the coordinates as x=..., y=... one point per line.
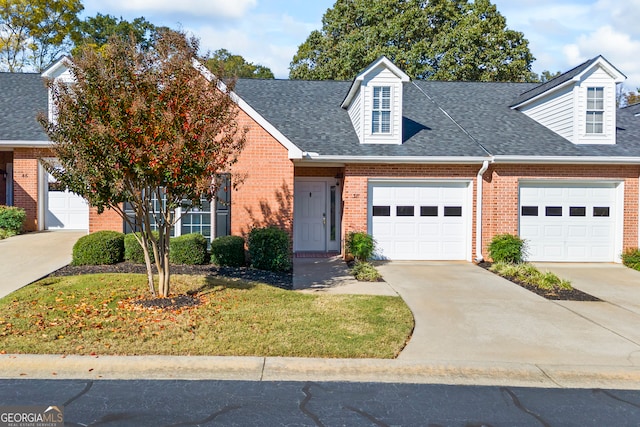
x=248, y=403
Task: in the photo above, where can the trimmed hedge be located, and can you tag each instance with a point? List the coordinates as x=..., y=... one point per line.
x=228, y=251
x=269, y=249
x=133, y=250
x=190, y=249
x=99, y=248
x=12, y=219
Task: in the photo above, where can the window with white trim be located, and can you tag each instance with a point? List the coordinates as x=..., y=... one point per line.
x=381, y=111
x=595, y=110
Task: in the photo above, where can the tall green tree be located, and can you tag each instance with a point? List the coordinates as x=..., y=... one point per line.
x=428, y=39
x=35, y=32
x=96, y=30
x=227, y=65
x=141, y=124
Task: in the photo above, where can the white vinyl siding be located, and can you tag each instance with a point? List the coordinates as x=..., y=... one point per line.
x=555, y=112
x=382, y=77
x=355, y=114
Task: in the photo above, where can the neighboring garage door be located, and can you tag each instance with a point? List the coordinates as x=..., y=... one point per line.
x=65, y=210
x=420, y=221
x=569, y=222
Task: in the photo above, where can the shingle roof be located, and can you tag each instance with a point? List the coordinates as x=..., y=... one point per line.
x=22, y=97
x=309, y=114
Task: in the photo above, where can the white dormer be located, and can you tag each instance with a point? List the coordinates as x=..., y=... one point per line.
x=374, y=103
x=58, y=71
x=579, y=105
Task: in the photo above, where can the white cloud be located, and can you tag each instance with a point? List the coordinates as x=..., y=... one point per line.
x=619, y=48
x=193, y=8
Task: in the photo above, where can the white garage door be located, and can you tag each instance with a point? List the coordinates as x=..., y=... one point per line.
x=574, y=223
x=65, y=210
x=420, y=221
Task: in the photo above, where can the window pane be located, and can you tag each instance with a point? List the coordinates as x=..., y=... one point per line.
x=404, y=210
x=386, y=122
x=375, y=122
x=553, y=211
x=529, y=211
x=453, y=211
x=332, y=213
x=577, y=211
x=382, y=211
x=428, y=211
x=600, y=211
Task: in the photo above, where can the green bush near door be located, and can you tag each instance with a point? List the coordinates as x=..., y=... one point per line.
x=189, y=249
x=99, y=248
x=228, y=251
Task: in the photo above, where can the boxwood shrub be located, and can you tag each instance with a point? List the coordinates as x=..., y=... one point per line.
x=631, y=258
x=133, y=250
x=190, y=249
x=228, y=251
x=12, y=220
x=99, y=248
x=269, y=249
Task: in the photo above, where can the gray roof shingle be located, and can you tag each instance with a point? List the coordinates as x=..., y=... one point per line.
x=22, y=97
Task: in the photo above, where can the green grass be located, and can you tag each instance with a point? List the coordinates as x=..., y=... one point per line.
x=94, y=314
x=528, y=274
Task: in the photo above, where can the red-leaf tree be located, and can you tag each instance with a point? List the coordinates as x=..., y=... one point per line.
x=139, y=125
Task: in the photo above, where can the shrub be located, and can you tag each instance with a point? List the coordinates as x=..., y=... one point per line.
x=189, y=249
x=365, y=272
x=228, y=251
x=507, y=248
x=133, y=250
x=269, y=249
x=12, y=220
x=631, y=258
x=528, y=274
x=99, y=248
x=360, y=244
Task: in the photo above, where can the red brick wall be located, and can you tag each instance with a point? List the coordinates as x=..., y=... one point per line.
x=500, y=209
x=25, y=182
x=108, y=220
x=264, y=173
x=354, y=195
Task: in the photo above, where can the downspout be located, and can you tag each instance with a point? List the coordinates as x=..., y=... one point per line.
x=479, y=179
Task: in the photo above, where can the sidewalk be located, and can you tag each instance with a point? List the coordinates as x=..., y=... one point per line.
x=28, y=257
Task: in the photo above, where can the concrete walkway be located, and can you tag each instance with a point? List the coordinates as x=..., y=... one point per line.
x=29, y=257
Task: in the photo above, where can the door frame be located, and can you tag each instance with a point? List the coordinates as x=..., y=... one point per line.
x=329, y=245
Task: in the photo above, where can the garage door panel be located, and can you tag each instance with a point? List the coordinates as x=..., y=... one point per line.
x=584, y=230
x=419, y=228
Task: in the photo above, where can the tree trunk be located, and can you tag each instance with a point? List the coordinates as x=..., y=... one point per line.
x=147, y=260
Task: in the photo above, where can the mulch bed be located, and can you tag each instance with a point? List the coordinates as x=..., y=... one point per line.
x=280, y=280
x=557, y=295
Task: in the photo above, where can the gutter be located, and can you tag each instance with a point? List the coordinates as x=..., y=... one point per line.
x=479, y=186
x=24, y=144
x=578, y=160
x=315, y=157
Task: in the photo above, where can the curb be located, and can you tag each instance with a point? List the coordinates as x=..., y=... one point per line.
x=318, y=370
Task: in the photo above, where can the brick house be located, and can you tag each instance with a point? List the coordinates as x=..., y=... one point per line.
x=433, y=170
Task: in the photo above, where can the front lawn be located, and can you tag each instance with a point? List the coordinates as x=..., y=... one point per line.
x=99, y=314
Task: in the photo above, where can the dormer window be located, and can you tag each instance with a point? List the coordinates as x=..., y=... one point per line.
x=595, y=110
x=381, y=111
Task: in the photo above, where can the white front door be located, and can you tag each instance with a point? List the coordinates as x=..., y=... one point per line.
x=310, y=216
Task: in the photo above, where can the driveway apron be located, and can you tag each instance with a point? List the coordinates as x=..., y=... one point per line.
x=465, y=313
x=29, y=257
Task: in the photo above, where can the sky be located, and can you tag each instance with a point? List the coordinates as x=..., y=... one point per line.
x=562, y=33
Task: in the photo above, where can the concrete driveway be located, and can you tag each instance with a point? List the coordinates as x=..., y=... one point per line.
x=465, y=313
x=29, y=257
